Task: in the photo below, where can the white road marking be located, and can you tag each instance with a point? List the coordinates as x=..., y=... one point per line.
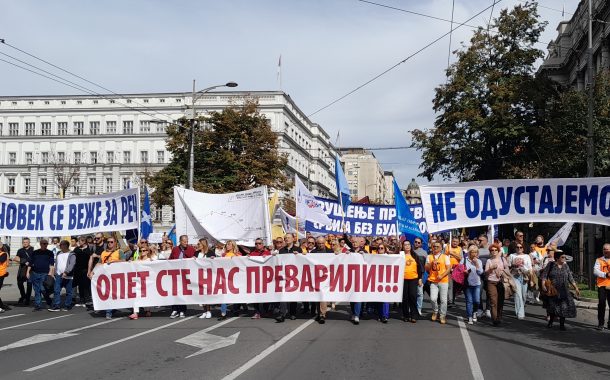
x=70, y=357
x=31, y=323
x=41, y=338
x=11, y=316
x=475, y=368
x=208, y=342
x=255, y=360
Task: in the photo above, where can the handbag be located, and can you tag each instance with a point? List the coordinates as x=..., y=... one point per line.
x=551, y=290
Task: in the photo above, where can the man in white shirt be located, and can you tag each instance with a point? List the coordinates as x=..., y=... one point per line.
x=64, y=267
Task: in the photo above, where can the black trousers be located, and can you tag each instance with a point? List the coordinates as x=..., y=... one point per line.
x=25, y=292
x=84, y=287
x=409, y=299
x=603, y=295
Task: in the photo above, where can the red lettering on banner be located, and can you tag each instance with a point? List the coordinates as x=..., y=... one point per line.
x=103, y=287
x=336, y=277
x=131, y=284
x=205, y=281
x=292, y=283
x=220, y=285
x=353, y=275
x=232, y=273
x=118, y=283
x=278, y=278
x=143, y=276
x=306, y=279
x=380, y=273
x=253, y=275
x=368, y=278
x=396, y=272
x=159, y=283
x=267, y=276
x=186, y=282
x=174, y=273
x=320, y=275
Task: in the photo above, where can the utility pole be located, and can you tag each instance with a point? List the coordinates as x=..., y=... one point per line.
x=590, y=142
x=193, y=120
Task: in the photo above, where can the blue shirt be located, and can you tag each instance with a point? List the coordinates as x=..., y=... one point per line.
x=42, y=260
x=474, y=277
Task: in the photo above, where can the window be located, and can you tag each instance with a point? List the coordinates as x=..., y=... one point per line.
x=11, y=185
x=26, y=185
x=128, y=100
x=79, y=102
x=162, y=100
x=145, y=127
x=43, y=186
x=45, y=158
x=145, y=100
x=128, y=127
x=93, y=157
x=14, y=103
x=28, y=158
x=46, y=102
x=161, y=128
x=77, y=157
x=158, y=214
x=112, y=102
x=94, y=127
x=45, y=129
x=30, y=129
x=110, y=157
x=62, y=102
x=31, y=103
x=95, y=102
x=1, y=129
x=91, y=185
x=61, y=157
x=125, y=182
x=13, y=129
x=178, y=100
x=111, y=127
x=144, y=156
x=160, y=157
x=79, y=128
x=62, y=128
x=108, y=186
x=12, y=158
x=127, y=157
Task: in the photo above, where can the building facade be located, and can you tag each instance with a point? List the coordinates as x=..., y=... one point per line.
x=566, y=61
x=101, y=143
x=364, y=175
x=412, y=193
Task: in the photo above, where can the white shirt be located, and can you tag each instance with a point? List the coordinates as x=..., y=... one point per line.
x=61, y=261
x=527, y=261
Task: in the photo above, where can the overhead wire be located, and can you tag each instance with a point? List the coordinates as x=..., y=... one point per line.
x=450, y=36
x=399, y=63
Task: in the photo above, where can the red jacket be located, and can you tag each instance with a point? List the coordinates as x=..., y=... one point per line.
x=264, y=252
x=189, y=252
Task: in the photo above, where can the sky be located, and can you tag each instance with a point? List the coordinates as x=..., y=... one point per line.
x=328, y=48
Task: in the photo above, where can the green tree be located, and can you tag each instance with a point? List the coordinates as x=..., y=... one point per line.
x=235, y=150
x=489, y=107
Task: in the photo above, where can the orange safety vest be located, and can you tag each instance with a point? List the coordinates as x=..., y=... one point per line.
x=604, y=267
x=4, y=265
x=110, y=257
x=438, y=266
x=456, y=251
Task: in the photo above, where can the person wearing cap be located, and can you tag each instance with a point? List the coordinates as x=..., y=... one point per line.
x=40, y=266
x=602, y=272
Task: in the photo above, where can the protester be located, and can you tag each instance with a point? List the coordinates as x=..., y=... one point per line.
x=82, y=254
x=562, y=303
x=474, y=270
x=358, y=246
x=64, y=269
x=145, y=255
x=494, y=268
x=438, y=266
x=383, y=308
x=288, y=308
x=182, y=251
x=521, y=270
x=320, y=308
x=112, y=254
x=4, y=261
x=259, y=251
x=455, y=256
x=39, y=268
x=230, y=251
x=23, y=257
x=204, y=251
x=601, y=270
x=484, y=254
x=166, y=250
x=412, y=279
x=421, y=256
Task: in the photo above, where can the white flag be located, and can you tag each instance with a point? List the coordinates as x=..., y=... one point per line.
x=308, y=207
x=562, y=234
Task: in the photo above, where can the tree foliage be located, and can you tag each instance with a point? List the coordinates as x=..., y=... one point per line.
x=489, y=107
x=235, y=150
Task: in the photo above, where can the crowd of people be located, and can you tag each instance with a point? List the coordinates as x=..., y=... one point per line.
x=486, y=274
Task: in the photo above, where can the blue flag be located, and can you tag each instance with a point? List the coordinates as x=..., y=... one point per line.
x=406, y=223
x=171, y=235
x=146, y=226
x=343, y=194
x=131, y=236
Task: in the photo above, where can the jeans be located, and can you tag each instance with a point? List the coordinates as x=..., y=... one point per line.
x=383, y=309
x=473, y=299
x=520, y=296
x=435, y=289
x=223, y=309
x=420, y=297
x=62, y=283
x=37, y=280
x=356, y=308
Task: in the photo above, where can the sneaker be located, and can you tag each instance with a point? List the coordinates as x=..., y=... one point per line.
x=1, y=310
x=174, y=314
x=79, y=304
x=256, y=316
x=108, y=316
x=479, y=313
x=356, y=320
x=55, y=308
x=203, y=315
x=66, y=308
x=133, y=316
x=474, y=317
x=470, y=321
x=293, y=317
x=443, y=320
x=182, y=314
x=488, y=313
x=208, y=314
x=434, y=316
x=280, y=319
x=222, y=317
x=322, y=320
x=384, y=320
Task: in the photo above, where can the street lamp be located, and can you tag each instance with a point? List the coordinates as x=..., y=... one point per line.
x=193, y=118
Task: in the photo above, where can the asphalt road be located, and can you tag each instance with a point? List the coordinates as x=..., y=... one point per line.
x=83, y=345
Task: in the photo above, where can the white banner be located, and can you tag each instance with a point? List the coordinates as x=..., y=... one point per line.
x=283, y=278
x=74, y=216
x=562, y=235
x=241, y=216
x=470, y=204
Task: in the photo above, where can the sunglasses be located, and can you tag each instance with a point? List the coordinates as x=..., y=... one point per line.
x=519, y=247
x=259, y=243
x=417, y=242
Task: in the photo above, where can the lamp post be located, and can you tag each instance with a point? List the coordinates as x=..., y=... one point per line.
x=192, y=116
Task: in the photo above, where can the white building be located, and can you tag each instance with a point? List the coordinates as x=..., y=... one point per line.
x=115, y=139
x=364, y=175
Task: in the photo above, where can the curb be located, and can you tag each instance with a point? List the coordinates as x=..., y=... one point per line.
x=583, y=304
